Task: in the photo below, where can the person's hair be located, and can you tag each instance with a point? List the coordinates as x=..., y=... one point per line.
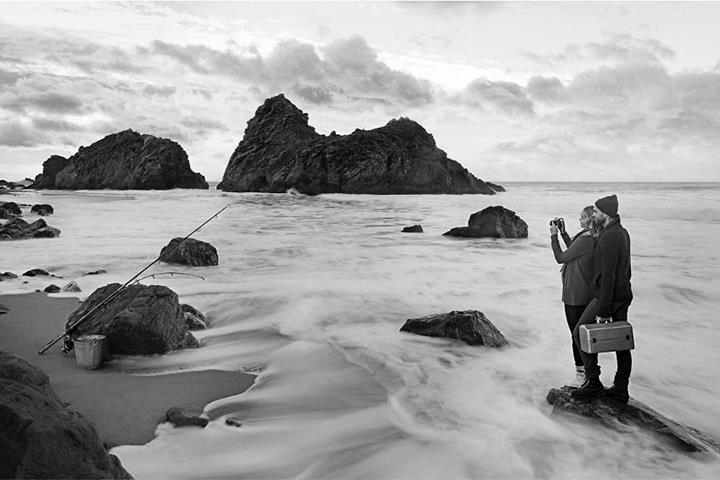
x=592, y=226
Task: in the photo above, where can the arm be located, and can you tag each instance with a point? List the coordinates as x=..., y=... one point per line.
x=608, y=262
x=580, y=247
x=566, y=238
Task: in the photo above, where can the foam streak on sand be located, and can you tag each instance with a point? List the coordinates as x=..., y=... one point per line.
x=311, y=292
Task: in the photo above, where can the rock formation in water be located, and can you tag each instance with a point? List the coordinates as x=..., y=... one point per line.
x=42, y=209
x=470, y=326
x=39, y=436
x=280, y=151
x=617, y=416
x=123, y=161
x=189, y=251
x=141, y=320
x=18, y=229
x=493, y=222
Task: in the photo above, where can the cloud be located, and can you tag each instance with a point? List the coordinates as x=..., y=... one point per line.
x=55, y=125
x=203, y=124
x=699, y=91
x=500, y=97
x=14, y=134
x=8, y=78
x=292, y=60
x=46, y=102
x=347, y=67
x=618, y=48
x=354, y=67
x=163, y=91
x=626, y=48
x=206, y=60
x=546, y=89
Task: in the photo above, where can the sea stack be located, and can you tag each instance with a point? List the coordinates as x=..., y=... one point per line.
x=281, y=151
x=126, y=160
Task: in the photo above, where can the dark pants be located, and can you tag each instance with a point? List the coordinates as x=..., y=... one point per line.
x=572, y=315
x=624, y=358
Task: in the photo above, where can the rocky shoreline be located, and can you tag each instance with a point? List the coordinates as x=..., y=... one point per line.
x=122, y=408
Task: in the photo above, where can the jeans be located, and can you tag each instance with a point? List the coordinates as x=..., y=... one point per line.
x=572, y=315
x=624, y=358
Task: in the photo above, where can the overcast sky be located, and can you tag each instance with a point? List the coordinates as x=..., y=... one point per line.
x=513, y=91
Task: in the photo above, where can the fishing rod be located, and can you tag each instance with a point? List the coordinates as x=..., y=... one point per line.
x=69, y=329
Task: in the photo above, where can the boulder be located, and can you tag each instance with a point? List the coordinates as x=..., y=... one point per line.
x=231, y=422
x=71, y=287
x=97, y=272
x=36, y=272
x=614, y=415
x=194, y=319
x=42, y=209
x=179, y=418
x=470, y=326
x=52, y=288
x=493, y=222
x=140, y=320
x=122, y=161
x=11, y=207
x=413, y=229
x=7, y=214
x=7, y=276
x=40, y=437
x=281, y=151
x=189, y=252
x=18, y=229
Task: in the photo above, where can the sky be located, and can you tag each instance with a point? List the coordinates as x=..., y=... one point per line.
x=514, y=91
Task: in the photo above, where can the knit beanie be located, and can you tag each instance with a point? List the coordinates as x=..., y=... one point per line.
x=608, y=205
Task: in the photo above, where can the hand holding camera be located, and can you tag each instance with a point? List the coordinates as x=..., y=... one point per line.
x=559, y=223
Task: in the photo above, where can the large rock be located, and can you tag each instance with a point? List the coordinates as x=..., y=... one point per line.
x=18, y=229
x=124, y=160
x=179, y=418
x=11, y=207
x=141, y=320
x=493, y=222
x=7, y=214
x=614, y=415
x=280, y=151
x=470, y=326
x=51, y=167
x=42, y=209
x=39, y=436
x=190, y=252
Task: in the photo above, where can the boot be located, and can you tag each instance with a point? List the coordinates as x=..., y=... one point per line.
x=618, y=392
x=592, y=388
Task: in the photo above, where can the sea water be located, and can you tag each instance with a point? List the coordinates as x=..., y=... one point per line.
x=311, y=292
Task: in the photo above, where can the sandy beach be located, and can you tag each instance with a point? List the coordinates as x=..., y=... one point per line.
x=125, y=408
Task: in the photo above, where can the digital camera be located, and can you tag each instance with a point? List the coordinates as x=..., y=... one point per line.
x=560, y=223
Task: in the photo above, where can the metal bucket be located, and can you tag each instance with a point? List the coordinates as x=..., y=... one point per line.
x=89, y=351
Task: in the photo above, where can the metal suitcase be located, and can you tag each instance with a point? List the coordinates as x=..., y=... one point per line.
x=606, y=337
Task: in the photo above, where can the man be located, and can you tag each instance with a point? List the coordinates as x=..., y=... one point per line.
x=612, y=297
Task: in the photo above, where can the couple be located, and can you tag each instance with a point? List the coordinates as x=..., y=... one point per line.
x=596, y=288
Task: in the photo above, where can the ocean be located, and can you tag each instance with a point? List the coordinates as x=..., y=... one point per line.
x=311, y=292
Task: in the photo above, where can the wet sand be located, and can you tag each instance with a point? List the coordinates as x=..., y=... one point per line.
x=125, y=408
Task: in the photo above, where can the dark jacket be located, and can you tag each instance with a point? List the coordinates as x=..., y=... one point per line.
x=577, y=271
x=612, y=268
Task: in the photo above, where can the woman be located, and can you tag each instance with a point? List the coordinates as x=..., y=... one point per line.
x=577, y=274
